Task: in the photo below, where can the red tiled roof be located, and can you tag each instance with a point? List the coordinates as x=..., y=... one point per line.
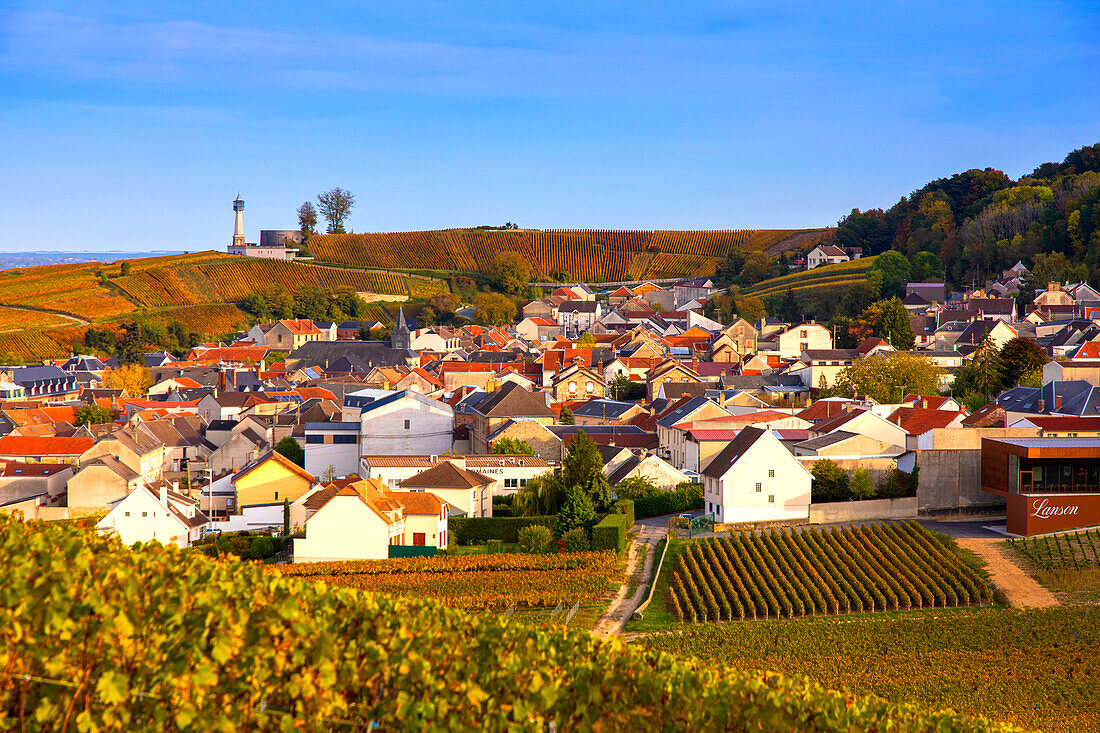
x=918, y=420
x=15, y=445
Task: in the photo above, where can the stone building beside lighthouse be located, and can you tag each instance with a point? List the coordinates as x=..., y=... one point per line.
x=274, y=244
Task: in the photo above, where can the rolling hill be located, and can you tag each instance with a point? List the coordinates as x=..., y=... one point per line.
x=592, y=255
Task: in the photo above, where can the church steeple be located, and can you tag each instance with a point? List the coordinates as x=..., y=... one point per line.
x=401, y=338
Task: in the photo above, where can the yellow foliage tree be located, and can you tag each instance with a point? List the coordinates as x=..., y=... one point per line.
x=133, y=378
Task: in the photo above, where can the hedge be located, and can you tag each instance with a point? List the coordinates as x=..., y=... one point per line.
x=669, y=502
x=479, y=530
x=610, y=533
x=624, y=506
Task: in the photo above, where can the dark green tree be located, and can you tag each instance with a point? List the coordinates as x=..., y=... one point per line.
x=512, y=446
x=895, y=270
x=288, y=448
x=830, y=482
x=566, y=417
x=577, y=511
x=94, y=414
x=1019, y=358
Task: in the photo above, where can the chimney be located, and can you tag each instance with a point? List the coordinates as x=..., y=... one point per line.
x=1058, y=402
x=163, y=494
x=1042, y=404
x=1054, y=287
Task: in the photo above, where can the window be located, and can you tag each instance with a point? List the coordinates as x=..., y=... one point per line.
x=572, y=387
x=802, y=333
x=771, y=498
x=145, y=514
x=803, y=346
x=771, y=473
x=758, y=488
x=314, y=439
x=126, y=513
x=344, y=439
x=408, y=423
x=589, y=387
x=276, y=494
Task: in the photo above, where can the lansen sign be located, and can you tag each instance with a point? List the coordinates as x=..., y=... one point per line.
x=1030, y=514
x=1043, y=509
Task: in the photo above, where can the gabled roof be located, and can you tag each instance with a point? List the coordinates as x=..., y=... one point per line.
x=512, y=400
x=919, y=420
x=729, y=455
x=446, y=475
x=272, y=455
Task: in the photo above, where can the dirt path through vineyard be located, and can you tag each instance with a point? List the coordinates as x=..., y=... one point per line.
x=1020, y=588
x=622, y=605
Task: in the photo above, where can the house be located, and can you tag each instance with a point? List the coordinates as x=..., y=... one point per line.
x=928, y=292
x=607, y=412
x=645, y=466
x=466, y=492
x=332, y=448
x=536, y=328
x=286, y=335
x=270, y=479
x=577, y=316
x=756, y=479
x=862, y=422
x=425, y=518
x=669, y=370
x=98, y=483
x=577, y=381
x=508, y=403
x=44, y=449
x=21, y=480
x=509, y=472
x=695, y=288
x=138, y=450
x=825, y=254
x=843, y=445
x=673, y=440
x=44, y=382
x=398, y=423
x=793, y=341
x=356, y=522
x=243, y=442
x=157, y=512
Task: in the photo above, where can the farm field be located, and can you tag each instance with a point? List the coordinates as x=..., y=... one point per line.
x=212, y=319
x=582, y=254
x=785, y=573
x=477, y=582
x=1037, y=669
x=1067, y=564
x=16, y=318
x=825, y=276
x=74, y=289
x=180, y=638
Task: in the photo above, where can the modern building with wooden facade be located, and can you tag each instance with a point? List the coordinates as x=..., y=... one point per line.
x=1049, y=484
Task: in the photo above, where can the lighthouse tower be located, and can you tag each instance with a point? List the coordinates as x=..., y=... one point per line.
x=238, y=225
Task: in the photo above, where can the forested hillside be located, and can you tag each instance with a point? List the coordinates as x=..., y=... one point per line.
x=975, y=224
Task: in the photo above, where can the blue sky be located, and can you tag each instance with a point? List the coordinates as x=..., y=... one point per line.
x=133, y=126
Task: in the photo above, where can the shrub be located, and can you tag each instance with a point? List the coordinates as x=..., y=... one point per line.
x=261, y=548
x=479, y=530
x=830, y=483
x=626, y=507
x=861, y=484
x=896, y=484
x=496, y=547
x=576, y=540
x=577, y=511
x=610, y=533
x=637, y=487
x=535, y=539
x=685, y=497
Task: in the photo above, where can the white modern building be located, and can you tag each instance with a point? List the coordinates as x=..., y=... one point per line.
x=400, y=423
x=155, y=512
x=756, y=479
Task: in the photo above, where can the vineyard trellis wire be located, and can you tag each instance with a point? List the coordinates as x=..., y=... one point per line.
x=786, y=573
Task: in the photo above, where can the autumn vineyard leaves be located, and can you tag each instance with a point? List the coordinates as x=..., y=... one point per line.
x=98, y=636
x=476, y=582
x=580, y=254
x=787, y=573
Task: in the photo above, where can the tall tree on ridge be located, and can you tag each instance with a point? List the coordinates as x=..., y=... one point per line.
x=335, y=205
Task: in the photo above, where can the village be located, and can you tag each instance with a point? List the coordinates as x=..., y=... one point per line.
x=361, y=449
